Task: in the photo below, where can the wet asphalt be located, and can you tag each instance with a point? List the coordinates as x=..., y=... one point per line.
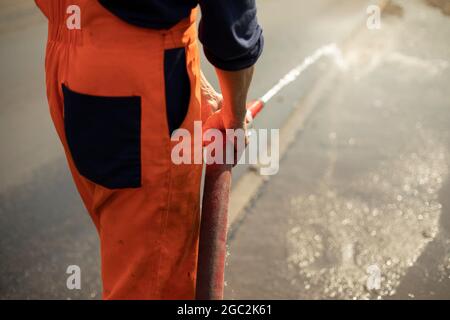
x=364, y=191
x=365, y=184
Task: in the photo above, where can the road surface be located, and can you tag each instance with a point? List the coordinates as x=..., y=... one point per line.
x=360, y=207
x=366, y=126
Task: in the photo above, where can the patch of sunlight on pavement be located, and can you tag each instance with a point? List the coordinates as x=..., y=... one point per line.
x=390, y=232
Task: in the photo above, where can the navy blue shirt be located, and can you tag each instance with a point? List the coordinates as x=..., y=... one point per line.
x=229, y=31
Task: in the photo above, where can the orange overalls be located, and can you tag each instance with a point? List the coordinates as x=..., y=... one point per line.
x=106, y=92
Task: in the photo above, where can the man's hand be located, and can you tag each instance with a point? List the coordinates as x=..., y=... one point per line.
x=211, y=100
x=227, y=111
x=212, y=109
x=220, y=114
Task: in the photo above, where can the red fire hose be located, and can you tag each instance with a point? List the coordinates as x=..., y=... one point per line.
x=214, y=225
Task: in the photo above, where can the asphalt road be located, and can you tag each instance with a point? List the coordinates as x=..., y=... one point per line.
x=362, y=196
x=44, y=227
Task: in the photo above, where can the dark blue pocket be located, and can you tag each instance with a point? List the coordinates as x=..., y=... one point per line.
x=104, y=138
x=178, y=87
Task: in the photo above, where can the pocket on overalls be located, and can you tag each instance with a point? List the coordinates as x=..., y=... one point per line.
x=104, y=137
x=178, y=87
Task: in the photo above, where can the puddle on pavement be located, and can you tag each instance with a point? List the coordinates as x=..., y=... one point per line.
x=335, y=242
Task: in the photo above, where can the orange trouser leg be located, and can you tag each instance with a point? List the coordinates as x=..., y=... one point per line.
x=105, y=85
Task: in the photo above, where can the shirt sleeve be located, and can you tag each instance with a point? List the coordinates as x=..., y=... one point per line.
x=229, y=31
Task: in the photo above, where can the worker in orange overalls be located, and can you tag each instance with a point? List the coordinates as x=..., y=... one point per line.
x=121, y=76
